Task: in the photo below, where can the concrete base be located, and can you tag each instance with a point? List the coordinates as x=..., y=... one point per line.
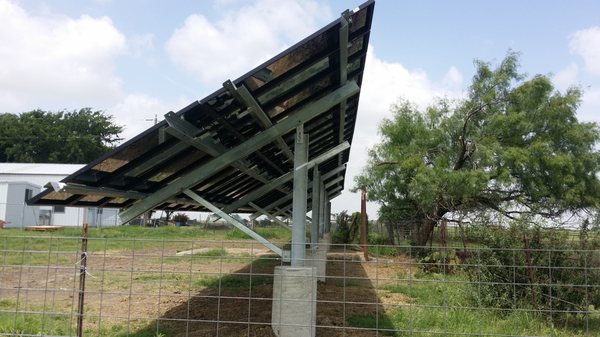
x=294, y=310
x=317, y=258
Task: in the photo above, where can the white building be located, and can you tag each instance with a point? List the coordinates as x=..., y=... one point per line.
x=18, y=182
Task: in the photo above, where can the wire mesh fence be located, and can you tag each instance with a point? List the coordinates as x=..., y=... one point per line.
x=139, y=286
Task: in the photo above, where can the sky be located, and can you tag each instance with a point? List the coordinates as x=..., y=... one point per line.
x=138, y=59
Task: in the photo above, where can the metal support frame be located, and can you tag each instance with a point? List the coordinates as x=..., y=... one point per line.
x=236, y=223
x=299, y=202
x=328, y=216
x=322, y=203
x=268, y=215
x=316, y=208
x=343, y=39
x=289, y=197
x=187, y=132
x=272, y=206
x=259, y=192
x=263, y=138
x=243, y=94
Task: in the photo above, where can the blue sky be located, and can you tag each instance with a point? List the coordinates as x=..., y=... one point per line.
x=136, y=58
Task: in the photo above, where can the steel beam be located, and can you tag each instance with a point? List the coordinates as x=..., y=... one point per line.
x=316, y=208
x=256, y=110
x=261, y=139
x=259, y=192
x=322, y=202
x=272, y=206
x=343, y=39
x=289, y=196
x=328, y=154
x=100, y=191
x=333, y=182
x=187, y=132
x=299, y=201
x=234, y=222
x=268, y=215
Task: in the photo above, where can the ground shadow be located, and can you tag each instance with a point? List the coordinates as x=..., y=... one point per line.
x=239, y=303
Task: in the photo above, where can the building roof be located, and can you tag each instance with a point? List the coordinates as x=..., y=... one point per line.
x=38, y=169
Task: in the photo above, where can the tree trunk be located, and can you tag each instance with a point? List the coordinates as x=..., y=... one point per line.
x=390, y=232
x=424, y=232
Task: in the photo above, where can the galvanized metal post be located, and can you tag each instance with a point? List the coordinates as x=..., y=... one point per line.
x=323, y=205
x=316, y=208
x=82, y=272
x=328, y=216
x=299, y=201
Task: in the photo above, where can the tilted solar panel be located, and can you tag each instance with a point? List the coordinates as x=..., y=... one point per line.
x=235, y=147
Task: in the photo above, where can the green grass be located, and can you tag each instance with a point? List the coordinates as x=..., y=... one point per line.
x=445, y=303
x=19, y=247
x=277, y=234
x=214, y=252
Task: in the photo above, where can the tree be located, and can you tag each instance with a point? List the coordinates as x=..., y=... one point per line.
x=56, y=137
x=512, y=146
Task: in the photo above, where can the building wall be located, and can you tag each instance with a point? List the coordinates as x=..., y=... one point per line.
x=13, y=208
x=40, y=175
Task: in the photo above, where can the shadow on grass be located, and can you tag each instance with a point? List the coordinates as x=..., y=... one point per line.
x=239, y=304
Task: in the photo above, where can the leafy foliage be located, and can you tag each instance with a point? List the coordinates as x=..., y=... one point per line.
x=511, y=146
x=551, y=274
x=56, y=137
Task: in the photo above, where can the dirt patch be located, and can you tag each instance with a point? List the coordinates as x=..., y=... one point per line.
x=179, y=292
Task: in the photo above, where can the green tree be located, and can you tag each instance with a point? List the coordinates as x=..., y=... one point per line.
x=512, y=146
x=56, y=137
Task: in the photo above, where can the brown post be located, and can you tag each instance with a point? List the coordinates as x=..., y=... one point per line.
x=529, y=268
x=82, y=271
x=363, y=223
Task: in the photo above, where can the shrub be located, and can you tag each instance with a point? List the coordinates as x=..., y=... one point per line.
x=553, y=274
x=342, y=232
x=182, y=218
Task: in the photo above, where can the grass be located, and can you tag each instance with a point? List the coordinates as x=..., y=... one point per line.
x=19, y=247
x=438, y=304
x=276, y=234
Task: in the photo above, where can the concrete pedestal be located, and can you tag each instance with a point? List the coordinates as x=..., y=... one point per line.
x=294, y=301
x=317, y=258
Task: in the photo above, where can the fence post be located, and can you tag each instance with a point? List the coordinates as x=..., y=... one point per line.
x=82, y=272
x=363, y=222
x=529, y=268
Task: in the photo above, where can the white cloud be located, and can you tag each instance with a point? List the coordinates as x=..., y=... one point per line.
x=590, y=106
x=215, y=51
x=49, y=60
x=586, y=43
x=136, y=112
x=453, y=80
x=383, y=84
x=567, y=77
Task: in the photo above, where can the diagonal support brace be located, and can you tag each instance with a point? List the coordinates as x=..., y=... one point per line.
x=235, y=223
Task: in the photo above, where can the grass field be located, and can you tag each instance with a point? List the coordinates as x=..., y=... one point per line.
x=141, y=285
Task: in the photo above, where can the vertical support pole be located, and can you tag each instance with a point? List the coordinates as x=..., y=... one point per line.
x=316, y=223
x=363, y=223
x=299, y=202
x=328, y=216
x=323, y=205
x=82, y=271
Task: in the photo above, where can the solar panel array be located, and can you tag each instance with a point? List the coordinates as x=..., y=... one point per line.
x=205, y=146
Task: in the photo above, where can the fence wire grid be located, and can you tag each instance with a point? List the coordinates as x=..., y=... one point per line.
x=157, y=287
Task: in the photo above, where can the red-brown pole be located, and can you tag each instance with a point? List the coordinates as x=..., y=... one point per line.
x=363, y=223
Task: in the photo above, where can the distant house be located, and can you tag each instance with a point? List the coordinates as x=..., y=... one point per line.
x=19, y=182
